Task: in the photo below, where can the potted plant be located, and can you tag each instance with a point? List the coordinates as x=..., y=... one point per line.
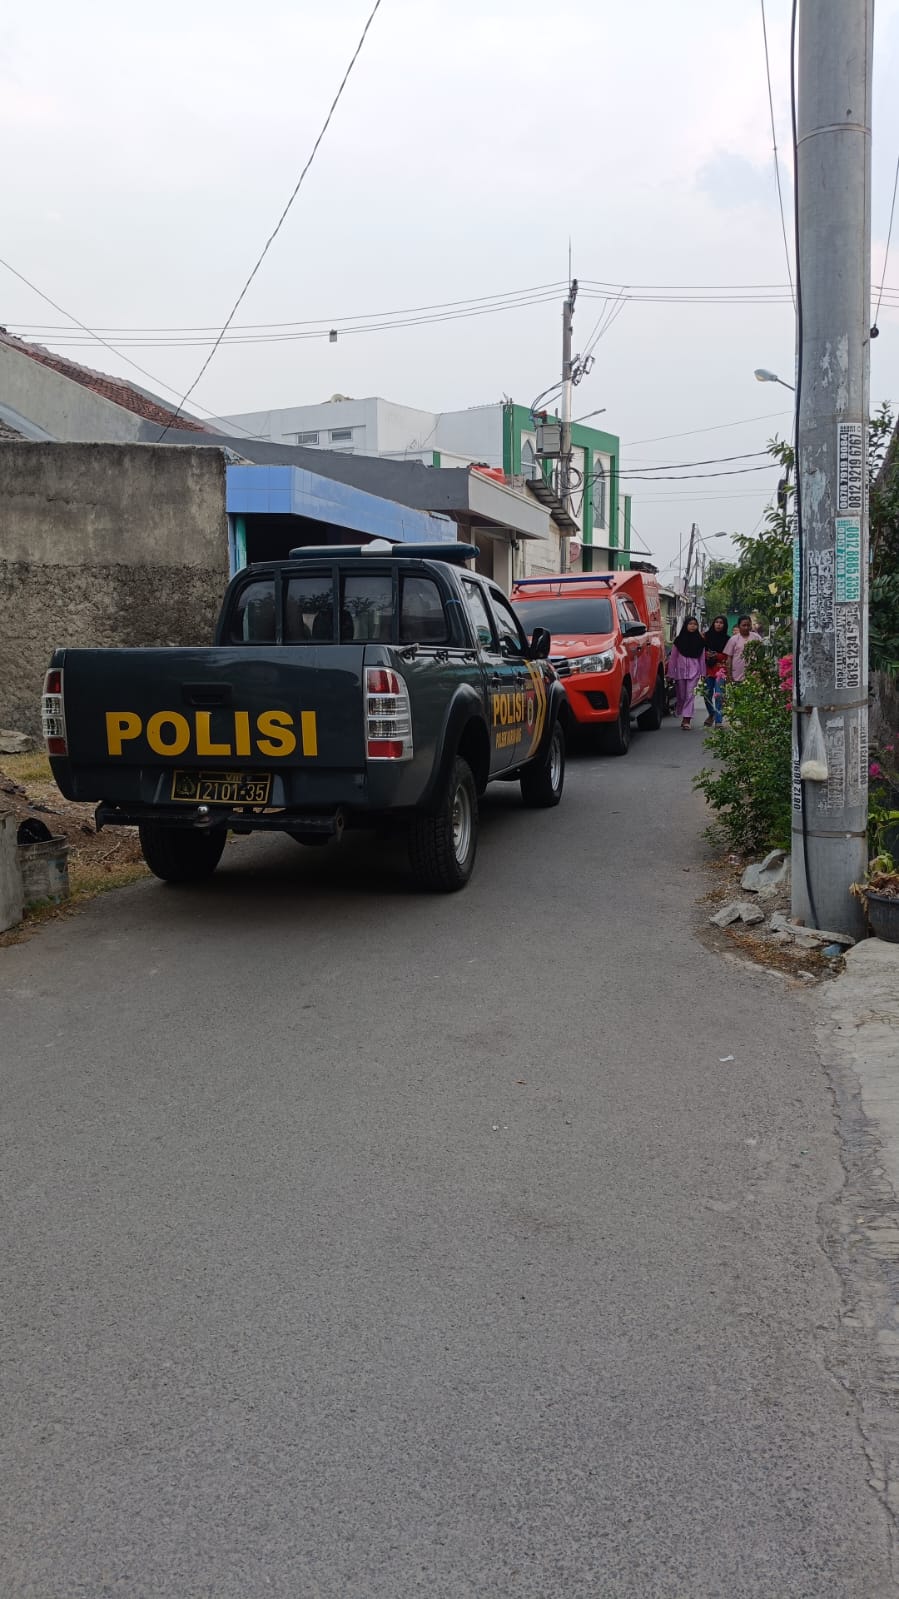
x=879, y=894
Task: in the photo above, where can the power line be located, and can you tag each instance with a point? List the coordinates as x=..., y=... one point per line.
x=320, y=327
x=666, y=499
x=889, y=237
x=780, y=198
x=700, y=476
x=282, y=218
x=715, y=460
x=107, y=346
x=328, y=321
x=715, y=427
x=323, y=332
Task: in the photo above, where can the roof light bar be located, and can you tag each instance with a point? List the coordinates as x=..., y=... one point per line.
x=577, y=577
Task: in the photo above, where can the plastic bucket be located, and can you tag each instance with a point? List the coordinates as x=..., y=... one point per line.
x=45, y=871
x=883, y=916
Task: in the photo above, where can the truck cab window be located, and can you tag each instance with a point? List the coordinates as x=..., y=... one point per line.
x=511, y=641
x=422, y=617
x=309, y=608
x=479, y=614
x=366, y=607
x=253, y=617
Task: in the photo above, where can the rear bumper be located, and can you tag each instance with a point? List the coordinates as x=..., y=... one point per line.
x=196, y=819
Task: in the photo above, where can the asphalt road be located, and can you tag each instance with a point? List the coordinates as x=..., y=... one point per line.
x=363, y=1245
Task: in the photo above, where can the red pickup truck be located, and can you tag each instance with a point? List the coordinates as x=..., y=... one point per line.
x=608, y=647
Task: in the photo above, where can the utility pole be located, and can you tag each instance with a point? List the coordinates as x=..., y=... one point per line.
x=684, y=596
x=567, y=385
x=830, y=625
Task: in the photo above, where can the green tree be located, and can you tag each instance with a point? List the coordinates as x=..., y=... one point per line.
x=749, y=789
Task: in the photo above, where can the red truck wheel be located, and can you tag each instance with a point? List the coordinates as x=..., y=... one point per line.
x=650, y=720
x=616, y=738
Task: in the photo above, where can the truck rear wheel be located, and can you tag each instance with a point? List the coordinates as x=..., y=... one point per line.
x=179, y=854
x=443, y=843
x=650, y=720
x=616, y=738
x=543, y=780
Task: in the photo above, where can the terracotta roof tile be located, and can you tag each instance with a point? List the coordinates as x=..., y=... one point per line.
x=114, y=389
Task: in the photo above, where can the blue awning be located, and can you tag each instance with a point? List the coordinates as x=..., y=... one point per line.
x=292, y=491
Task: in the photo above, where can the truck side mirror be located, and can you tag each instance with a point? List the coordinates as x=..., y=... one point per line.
x=634, y=629
x=540, y=644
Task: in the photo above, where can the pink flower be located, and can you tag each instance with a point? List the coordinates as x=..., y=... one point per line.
x=875, y=769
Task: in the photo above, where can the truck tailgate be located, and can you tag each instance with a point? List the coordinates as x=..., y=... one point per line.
x=252, y=708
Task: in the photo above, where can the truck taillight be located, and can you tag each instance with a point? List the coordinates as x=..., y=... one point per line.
x=53, y=714
x=388, y=716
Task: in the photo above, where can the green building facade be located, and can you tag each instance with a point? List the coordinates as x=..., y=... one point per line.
x=603, y=512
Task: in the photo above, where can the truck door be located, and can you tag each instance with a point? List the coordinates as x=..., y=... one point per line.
x=639, y=652
x=527, y=712
x=500, y=673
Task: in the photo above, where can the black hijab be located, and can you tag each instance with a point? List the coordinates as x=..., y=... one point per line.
x=691, y=645
x=717, y=636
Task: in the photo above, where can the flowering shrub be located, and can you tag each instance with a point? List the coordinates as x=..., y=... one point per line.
x=750, y=788
x=883, y=800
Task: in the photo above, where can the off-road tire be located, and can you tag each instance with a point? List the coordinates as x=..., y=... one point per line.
x=650, y=720
x=616, y=738
x=443, y=842
x=181, y=854
x=543, y=780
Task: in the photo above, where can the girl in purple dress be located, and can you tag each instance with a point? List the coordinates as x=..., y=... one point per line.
x=686, y=666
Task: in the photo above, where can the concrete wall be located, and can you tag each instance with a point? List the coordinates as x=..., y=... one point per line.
x=64, y=409
x=104, y=544
x=476, y=433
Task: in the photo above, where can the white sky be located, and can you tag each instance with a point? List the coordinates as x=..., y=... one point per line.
x=148, y=153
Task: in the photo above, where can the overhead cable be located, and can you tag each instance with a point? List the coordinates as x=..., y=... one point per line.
x=283, y=217
x=780, y=198
x=111, y=347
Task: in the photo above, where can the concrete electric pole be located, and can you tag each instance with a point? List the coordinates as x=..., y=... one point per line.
x=830, y=626
x=684, y=596
x=567, y=385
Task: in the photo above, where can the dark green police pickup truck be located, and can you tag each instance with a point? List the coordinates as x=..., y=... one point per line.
x=346, y=686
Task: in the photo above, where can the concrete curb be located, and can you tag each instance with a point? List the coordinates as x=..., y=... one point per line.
x=857, y=1029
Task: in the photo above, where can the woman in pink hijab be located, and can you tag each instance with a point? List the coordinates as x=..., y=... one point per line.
x=686, y=666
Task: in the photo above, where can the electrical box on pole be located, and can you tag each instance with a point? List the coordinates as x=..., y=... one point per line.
x=549, y=440
x=830, y=627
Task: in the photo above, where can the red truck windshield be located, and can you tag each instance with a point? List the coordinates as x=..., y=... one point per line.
x=575, y=615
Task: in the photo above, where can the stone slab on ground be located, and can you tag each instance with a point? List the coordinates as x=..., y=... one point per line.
x=737, y=910
x=13, y=743
x=767, y=877
x=809, y=937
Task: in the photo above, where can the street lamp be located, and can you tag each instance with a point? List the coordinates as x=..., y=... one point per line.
x=762, y=375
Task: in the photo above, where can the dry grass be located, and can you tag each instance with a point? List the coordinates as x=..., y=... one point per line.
x=98, y=862
x=33, y=768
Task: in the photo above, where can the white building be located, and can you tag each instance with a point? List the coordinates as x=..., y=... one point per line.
x=379, y=427
x=501, y=436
